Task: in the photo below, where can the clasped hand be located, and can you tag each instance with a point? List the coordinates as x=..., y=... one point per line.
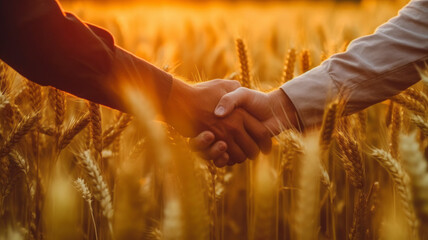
x=226, y=122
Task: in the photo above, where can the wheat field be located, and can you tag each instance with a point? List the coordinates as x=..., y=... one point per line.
x=71, y=169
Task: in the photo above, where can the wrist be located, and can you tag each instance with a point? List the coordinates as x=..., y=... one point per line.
x=177, y=109
x=284, y=109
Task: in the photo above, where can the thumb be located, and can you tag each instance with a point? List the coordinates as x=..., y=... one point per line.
x=230, y=101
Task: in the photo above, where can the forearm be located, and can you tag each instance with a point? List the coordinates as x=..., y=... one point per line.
x=373, y=68
x=134, y=72
x=52, y=48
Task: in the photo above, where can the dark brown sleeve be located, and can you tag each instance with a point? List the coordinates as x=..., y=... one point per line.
x=53, y=48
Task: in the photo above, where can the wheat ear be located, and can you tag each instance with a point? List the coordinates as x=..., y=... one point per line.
x=292, y=149
x=305, y=61
x=83, y=189
x=410, y=103
x=289, y=65
x=73, y=130
x=421, y=123
x=416, y=166
x=35, y=94
x=99, y=186
x=417, y=95
x=244, y=63
x=358, y=229
x=57, y=101
x=328, y=125
x=110, y=135
x=396, y=122
x=18, y=133
x=401, y=182
x=96, y=128
x=351, y=159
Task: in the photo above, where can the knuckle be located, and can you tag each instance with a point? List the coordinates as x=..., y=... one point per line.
x=231, y=83
x=241, y=90
x=226, y=98
x=235, y=83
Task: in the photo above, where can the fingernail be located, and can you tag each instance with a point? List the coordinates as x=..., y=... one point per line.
x=219, y=110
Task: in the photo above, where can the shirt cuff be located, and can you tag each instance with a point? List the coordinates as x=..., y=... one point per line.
x=310, y=93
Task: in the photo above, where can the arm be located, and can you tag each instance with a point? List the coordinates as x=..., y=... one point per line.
x=54, y=48
x=374, y=68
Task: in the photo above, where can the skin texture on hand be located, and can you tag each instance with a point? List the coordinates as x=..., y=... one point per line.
x=274, y=109
x=190, y=109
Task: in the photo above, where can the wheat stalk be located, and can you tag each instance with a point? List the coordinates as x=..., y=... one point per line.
x=173, y=219
x=83, y=189
x=401, y=182
x=98, y=185
x=264, y=197
x=416, y=166
x=358, y=229
x=362, y=120
x=308, y=197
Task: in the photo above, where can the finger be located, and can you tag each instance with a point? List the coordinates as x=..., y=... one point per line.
x=232, y=100
x=202, y=141
x=236, y=155
x=222, y=160
x=246, y=143
x=216, y=150
x=258, y=132
x=231, y=85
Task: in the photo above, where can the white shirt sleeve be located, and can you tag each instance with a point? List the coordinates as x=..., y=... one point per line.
x=373, y=68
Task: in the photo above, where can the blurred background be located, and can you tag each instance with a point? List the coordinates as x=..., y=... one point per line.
x=154, y=186
x=202, y=1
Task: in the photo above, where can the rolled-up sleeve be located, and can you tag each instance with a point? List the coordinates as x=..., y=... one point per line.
x=373, y=68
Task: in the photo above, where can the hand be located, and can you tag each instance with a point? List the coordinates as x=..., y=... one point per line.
x=274, y=109
x=190, y=110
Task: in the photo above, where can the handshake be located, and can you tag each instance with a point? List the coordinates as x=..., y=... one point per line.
x=228, y=123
